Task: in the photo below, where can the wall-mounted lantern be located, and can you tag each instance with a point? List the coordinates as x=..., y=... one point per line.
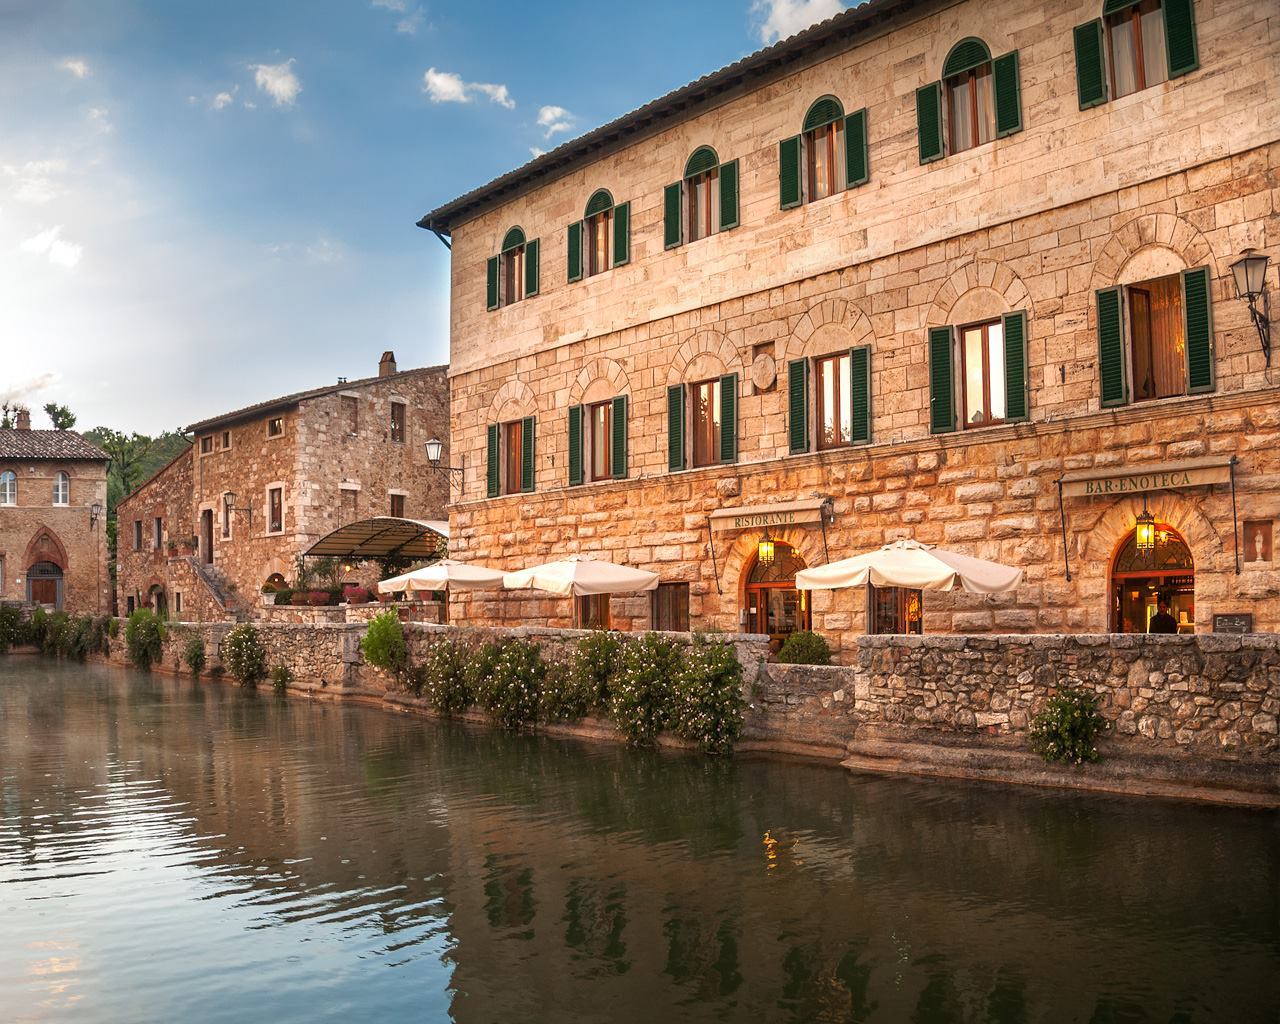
x=1250, y=273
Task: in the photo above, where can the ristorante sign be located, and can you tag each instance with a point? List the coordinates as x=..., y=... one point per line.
x=1121, y=480
x=756, y=517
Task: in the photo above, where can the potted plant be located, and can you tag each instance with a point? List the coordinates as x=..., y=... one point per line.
x=356, y=595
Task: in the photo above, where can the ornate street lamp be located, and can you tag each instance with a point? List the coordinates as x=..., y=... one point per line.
x=1250, y=273
x=435, y=449
x=229, y=502
x=1144, y=531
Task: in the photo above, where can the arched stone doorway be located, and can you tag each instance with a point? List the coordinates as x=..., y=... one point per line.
x=44, y=584
x=157, y=600
x=773, y=604
x=1139, y=579
x=273, y=583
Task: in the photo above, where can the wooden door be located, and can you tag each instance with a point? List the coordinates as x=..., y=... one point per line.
x=44, y=591
x=206, y=535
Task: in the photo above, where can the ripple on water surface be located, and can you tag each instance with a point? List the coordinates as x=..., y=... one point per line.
x=171, y=851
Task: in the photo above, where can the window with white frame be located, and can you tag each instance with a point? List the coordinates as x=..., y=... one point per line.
x=8, y=488
x=62, y=489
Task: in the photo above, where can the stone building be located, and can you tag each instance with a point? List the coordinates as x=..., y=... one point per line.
x=230, y=516
x=954, y=271
x=53, y=496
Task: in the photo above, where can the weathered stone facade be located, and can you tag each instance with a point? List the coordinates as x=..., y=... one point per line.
x=1182, y=175
x=39, y=529
x=332, y=455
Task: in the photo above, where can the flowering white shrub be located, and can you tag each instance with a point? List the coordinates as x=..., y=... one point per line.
x=639, y=695
x=706, y=700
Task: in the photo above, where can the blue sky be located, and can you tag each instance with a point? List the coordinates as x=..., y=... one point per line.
x=203, y=205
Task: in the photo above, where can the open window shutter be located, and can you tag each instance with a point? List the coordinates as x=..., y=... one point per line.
x=575, y=445
x=575, y=251
x=729, y=418
x=1180, y=37
x=798, y=405
x=1015, y=366
x=493, y=463
x=1115, y=390
x=942, y=401
x=729, y=195
x=675, y=427
x=789, y=172
x=491, y=283
x=860, y=392
x=621, y=234
x=672, y=228
x=1198, y=324
x=857, y=169
x=618, y=442
x=526, y=454
x=929, y=121
x=1091, y=69
x=531, y=268
x=1004, y=70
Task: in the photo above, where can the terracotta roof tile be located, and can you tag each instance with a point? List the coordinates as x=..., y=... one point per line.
x=64, y=445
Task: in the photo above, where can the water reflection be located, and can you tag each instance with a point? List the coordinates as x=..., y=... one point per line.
x=170, y=850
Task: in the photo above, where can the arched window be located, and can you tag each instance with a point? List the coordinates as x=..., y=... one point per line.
x=703, y=202
x=1134, y=45
x=829, y=156
x=62, y=489
x=773, y=604
x=982, y=101
x=8, y=488
x=602, y=239
x=512, y=275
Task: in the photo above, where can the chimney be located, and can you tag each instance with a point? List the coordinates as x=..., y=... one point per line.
x=387, y=364
x=24, y=417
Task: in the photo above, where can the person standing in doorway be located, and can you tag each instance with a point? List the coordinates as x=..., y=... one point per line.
x=1162, y=621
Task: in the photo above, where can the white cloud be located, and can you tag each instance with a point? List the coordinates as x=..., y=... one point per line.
x=447, y=87
x=48, y=244
x=76, y=66
x=34, y=182
x=325, y=252
x=535, y=152
x=278, y=81
x=389, y=5
x=98, y=115
x=778, y=19
x=555, y=119
x=409, y=24
x=223, y=99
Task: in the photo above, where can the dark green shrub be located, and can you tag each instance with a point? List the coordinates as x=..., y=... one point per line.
x=594, y=663
x=101, y=634
x=144, y=638
x=14, y=628
x=193, y=655
x=706, y=696
x=510, y=693
x=37, y=627
x=244, y=655
x=383, y=643
x=283, y=596
x=639, y=696
x=113, y=627
x=442, y=677
x=1067, y=726
x=55, y=635
x=481, y=657
x=804, y=648
x=281, y=677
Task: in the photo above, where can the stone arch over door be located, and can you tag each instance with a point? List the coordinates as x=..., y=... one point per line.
x=978, y=290
x=703, y=355
x=45, y=546
x=829, y=326
x=600, y=379
x=513, y=401
x=740, y=554
x=1162, y=240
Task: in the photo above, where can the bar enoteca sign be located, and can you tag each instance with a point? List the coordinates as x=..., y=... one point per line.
x=756, y=517
x=1121, y=480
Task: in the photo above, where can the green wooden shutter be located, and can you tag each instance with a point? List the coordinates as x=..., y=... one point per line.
x=675, y=427
x=789, y=173
x=493, y=462
x=531, y=268
x=942, y=401
x=672, y=226
x=618, y=442
x=1114, y=386
x=575, y=251
x=1198, y=324
x=729, y=418
x=1005, y=72
x=1015, y=366
x=798, y=405
x=621, y=234
x=929, y=122
x=526, y=454
x=860, y=392
x=857, y=170
x=575, y=445
x=1180, y=37
x=1091, y=68
x=491, y=283
x=729, y=195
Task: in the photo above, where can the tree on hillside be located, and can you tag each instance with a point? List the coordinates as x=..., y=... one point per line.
x=134, y=457
x=60, y=416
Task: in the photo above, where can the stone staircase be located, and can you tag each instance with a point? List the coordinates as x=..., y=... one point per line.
x=217, y=584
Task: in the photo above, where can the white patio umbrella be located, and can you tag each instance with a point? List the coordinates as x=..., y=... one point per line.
x=446, y=574
x=580, y=576
x=908, y=563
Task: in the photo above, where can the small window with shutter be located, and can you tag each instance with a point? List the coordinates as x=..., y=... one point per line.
x=513, y=274
x=842, y=399
x=602, y=239
x=828, y=156
x=509, y=457
x=978, y=373
x=712, y=421
x=704, y=202
x=979, y=98
x=1135, y=45
x=598, y=441
x=1168, y=328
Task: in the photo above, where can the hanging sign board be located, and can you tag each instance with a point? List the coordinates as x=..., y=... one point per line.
x=1168, y=476
x=1241, y=622
x=755, y=517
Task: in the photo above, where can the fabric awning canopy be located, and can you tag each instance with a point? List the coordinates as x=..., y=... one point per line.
x=581, y=576
x=908, y=563
x=382, y=537
x=446, y=574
